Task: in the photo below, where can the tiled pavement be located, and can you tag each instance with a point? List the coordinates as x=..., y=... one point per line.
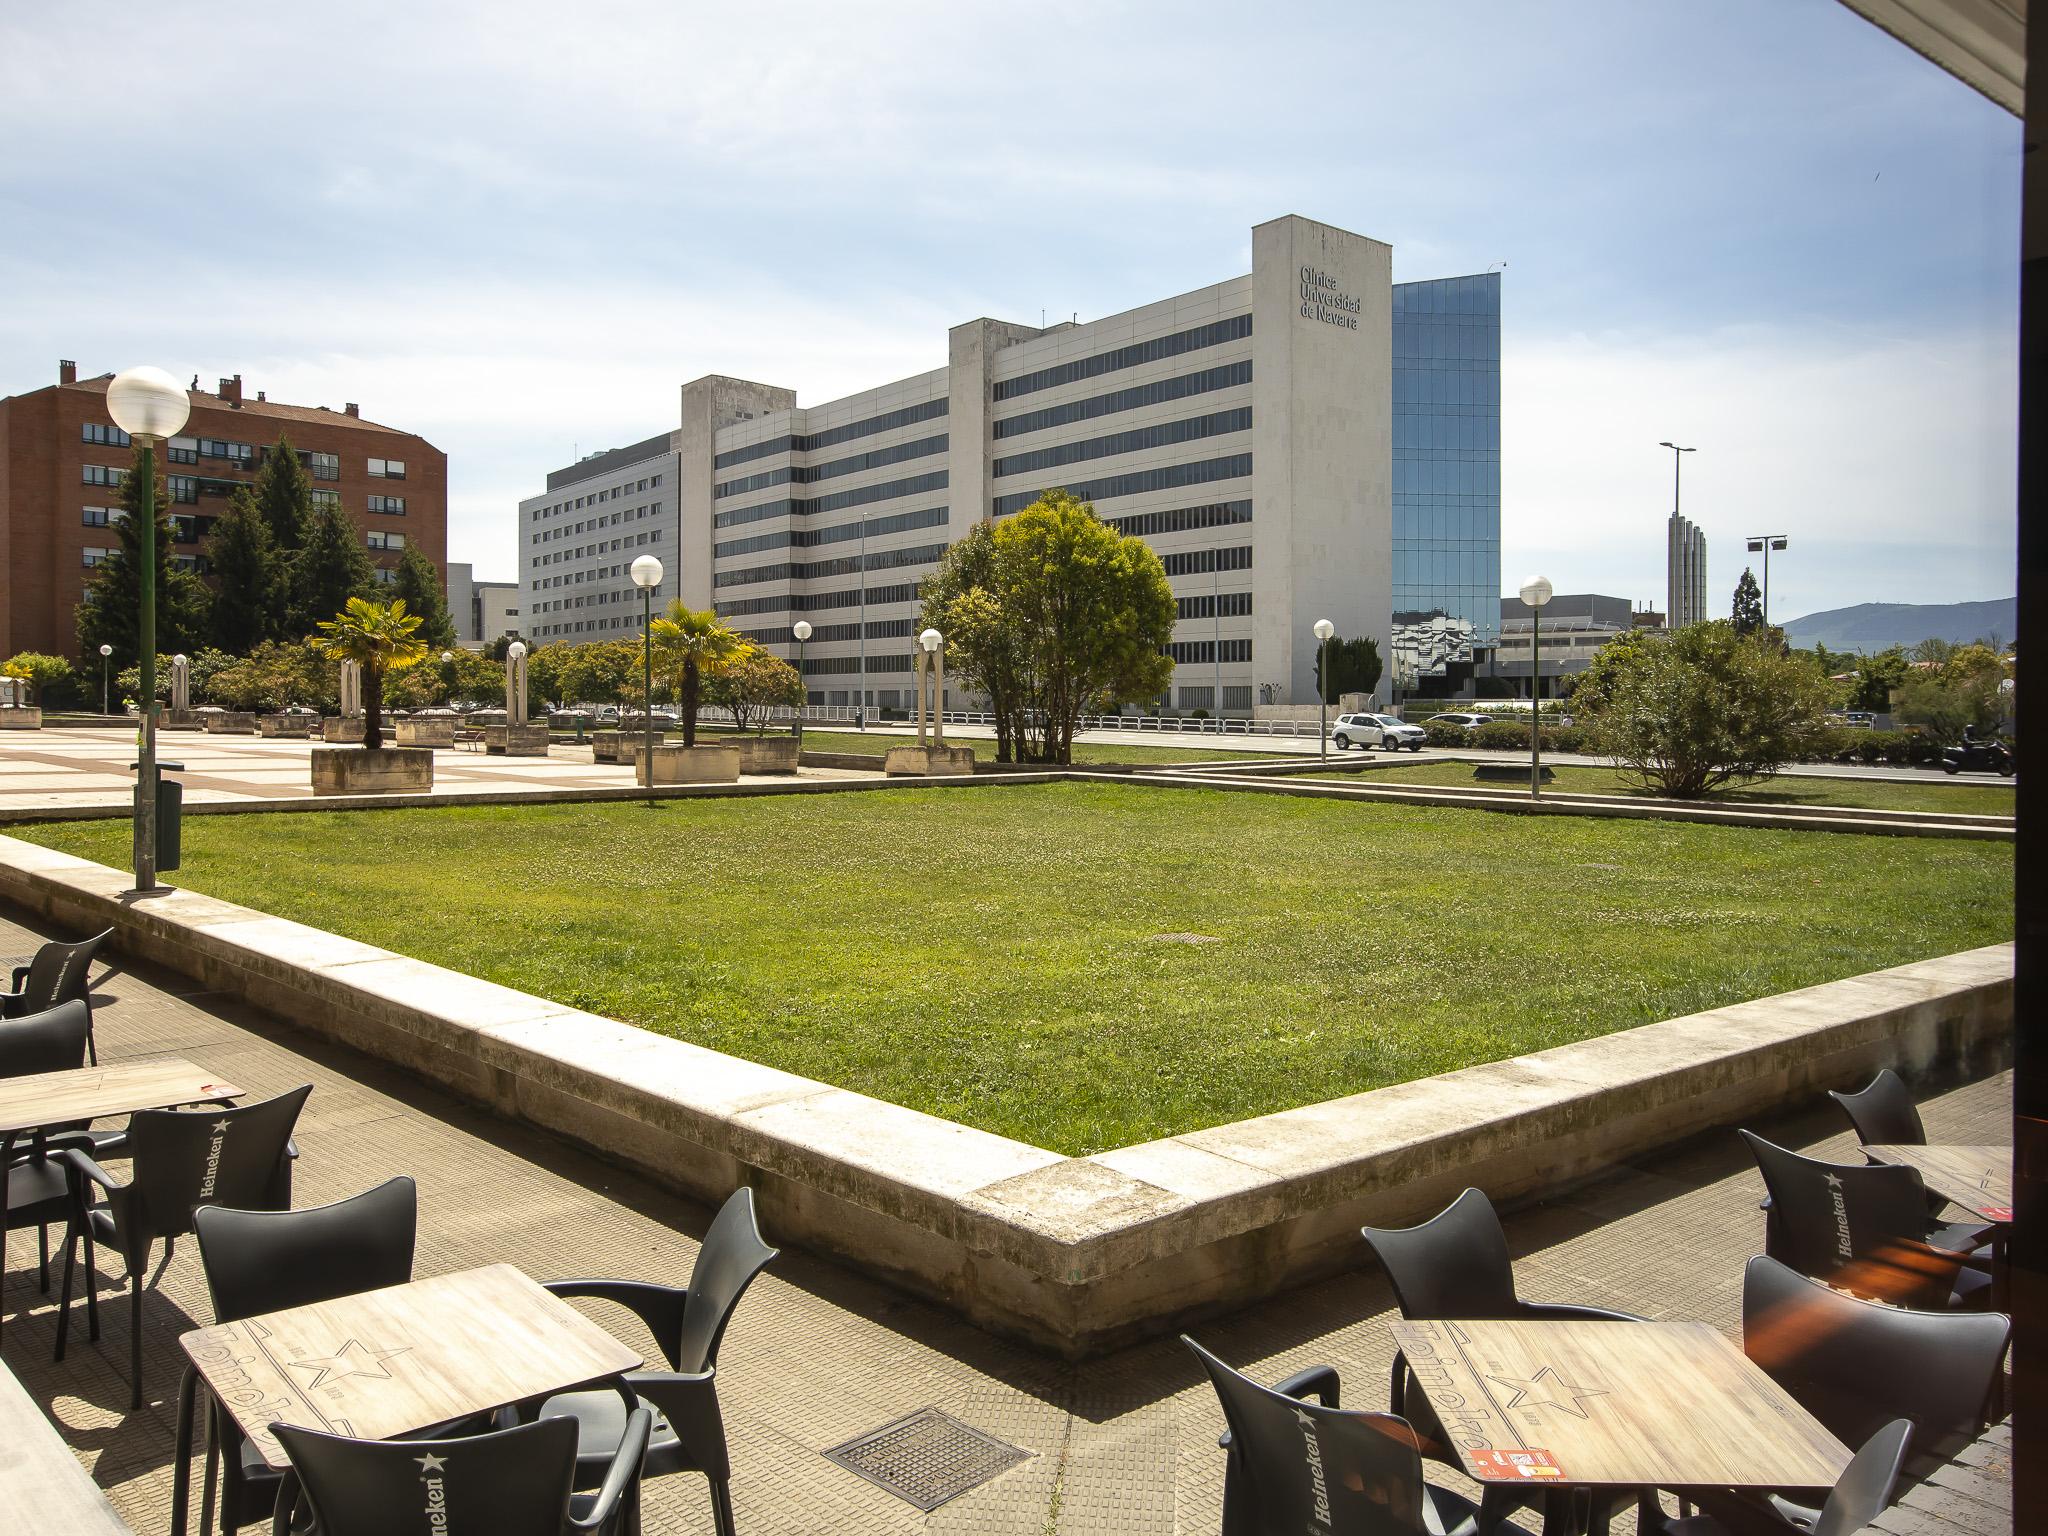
x=818, y=1354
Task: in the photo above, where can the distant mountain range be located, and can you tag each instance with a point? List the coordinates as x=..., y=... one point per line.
x=1878, y=626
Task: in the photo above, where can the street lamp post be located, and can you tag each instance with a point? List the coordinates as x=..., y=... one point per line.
x=448, y=674
x=1763, y=544
x=1536, y=592
x=646, y=573
x=105, y=652
x=802, y=630
x=933, y=645
x=149, y=405
x=1324, y=629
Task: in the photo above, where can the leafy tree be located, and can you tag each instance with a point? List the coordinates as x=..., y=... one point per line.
x=380, y=638
x=1934, y=650
x=333, y=567
x=275, y=675
x=602, y=672
x=752, y=684
x=1688, y=712
x=112, y=611
x=547, y=667
x=249, y=602
x=1749, y=604
x=690, y=644
x=419, y=584
x=284, y=491
x=50, y=678
x=983, y=649
x=1080, y=614
x=1967, y=689
x=1876, y=677
x=1354, y=667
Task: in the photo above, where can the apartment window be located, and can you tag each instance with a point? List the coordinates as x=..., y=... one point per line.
x=1186, y=651
x=1197, y=562
x=392, y=506
x=326, y=498
x=381, y=540
x=1143, y=525
x=325, y=466
x=654, y=479
x=103, y=436
x=181, y=451
x=96, y=517
x=101, y=474
x=385, y=577
x=1213, y=605
x=95, y=557
x=242, y=454
x=387, y=469
x=183, y=487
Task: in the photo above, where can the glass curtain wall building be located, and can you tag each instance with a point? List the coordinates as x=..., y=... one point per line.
x=1446, y=566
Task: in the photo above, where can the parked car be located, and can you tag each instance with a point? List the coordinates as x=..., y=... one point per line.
x=1384, y=731
x=1464, y=722
x=1859, y=720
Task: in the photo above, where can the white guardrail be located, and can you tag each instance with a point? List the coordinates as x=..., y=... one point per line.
x=844, y=714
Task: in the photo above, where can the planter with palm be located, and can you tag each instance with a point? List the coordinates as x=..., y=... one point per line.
x=690, y=645
x=381, y=638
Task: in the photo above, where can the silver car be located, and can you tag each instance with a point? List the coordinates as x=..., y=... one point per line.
x=1383, y=731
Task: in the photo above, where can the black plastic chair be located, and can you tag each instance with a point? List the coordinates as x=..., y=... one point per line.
x=1858, y=1365
x=514, y=1482
x=268, y=1261
x=1456, y=1266
x=37, y=1191
x=1884, y=1114
x=56, y=974
x=1861, y=1494
x=688, y=1325
x=1308, y=1466
x=1861, y=1228
x=181, y=1160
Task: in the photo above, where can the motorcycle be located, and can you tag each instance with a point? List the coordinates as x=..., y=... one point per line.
x=1988, y=756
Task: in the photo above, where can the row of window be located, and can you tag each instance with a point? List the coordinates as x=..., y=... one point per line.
x=102, y=436
x=1157, y=393
x=826, y=634
x=198, y=563
x=1214, y=605
x=816, y=602
x=571, y=578
x=570, y=530
x=190, y=450
x=101, y=474
x=585, y=551
x=1186, y=652
x=798, y=570
x=393, y=506
x=591, y=499
x=1197, y=562
x=809, y=474
x=888, y=490
x=839, y=533
x=1217, y=514
x=1163, y=435
x=1214, y=334
x=835, y=666
x=1235, y=696
x=810, y=442
x=1167, y=477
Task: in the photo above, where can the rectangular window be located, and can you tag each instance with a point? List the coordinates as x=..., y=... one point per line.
x=101, y=474
x=326, y=498
x=1219, y=331
x=95, y=517
x=1166, y=433
x=385, y=576
x=177, y=455
x=95, y=557
x=1166, y=478
x=1197, y=562
x=242, y=454
x=391, y=506
x=103, y=436
x=325, y=466
x=381, y=540
x=387, y=469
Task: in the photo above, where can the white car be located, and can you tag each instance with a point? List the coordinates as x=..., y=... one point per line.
x=1383, y=731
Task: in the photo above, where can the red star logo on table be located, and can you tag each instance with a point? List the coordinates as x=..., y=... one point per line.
x=352, y=1359
x=1547, y=1389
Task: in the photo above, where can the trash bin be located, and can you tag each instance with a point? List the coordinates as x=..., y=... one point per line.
x=170, y=810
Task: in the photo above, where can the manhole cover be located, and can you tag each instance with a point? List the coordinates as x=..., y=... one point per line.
x=1185, y=938
x=927, y=1458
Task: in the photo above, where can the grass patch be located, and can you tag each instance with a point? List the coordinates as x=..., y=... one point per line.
x=995, y=955
x=1872, y=794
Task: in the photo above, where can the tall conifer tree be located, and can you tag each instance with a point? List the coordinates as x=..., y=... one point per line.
x=250, y=604
x=112, y=611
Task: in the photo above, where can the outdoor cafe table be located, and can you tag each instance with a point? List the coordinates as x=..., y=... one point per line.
x=391, y=1362
x=1979, y=1179
x=91, y=1093
x=1614, y=1405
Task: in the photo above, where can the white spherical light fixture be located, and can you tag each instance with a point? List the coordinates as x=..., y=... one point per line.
x=1325, y=629
x=1536, y=591
x=147, y=402
x=801, y=629
x=930, y=639
x=516, y=651
x=646, y=572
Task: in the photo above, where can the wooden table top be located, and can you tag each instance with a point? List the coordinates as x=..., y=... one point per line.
x=1669, y=1405
x=1979, y=1179
x=42, y=1486
x=117, y=1088
x=405, y=1358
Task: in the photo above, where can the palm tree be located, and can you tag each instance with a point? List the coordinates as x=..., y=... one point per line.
x=379, y=638
x=688, y=643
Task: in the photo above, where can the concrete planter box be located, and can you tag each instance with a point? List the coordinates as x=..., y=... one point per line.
x=516, y=740
x=361, y=771
x=613, y=746
x=183, y=720
x=285, y=725
x=424, y=733
x=21, y=717
x=233, y=723
x=342, y=728
x=688, y=765
x=928, y=762
x=765, y=754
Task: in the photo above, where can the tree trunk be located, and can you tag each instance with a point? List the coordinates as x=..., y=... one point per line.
x=690, y=703
x=373, y=708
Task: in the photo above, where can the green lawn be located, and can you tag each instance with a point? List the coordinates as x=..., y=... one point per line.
x=1005, y=957
x=1936, y=794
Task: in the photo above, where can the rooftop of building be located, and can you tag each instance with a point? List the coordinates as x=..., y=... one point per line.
x=230, y=396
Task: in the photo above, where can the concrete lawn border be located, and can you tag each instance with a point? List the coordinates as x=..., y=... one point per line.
x=1073, y=1255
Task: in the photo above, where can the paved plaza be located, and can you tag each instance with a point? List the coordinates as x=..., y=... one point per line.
x=1123, y=1446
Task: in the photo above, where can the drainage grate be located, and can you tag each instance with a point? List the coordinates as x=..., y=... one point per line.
x=926, y=1458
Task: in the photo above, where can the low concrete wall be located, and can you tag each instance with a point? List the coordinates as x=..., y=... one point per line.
x=701, y=764
x=229, y=723
x=438, y=732
x=21, y=717
x=516, y=740
x=922, y=762
x=763, y=754
x=1076, y=1255
x=287, y=725
x=342, y=728
x=361, y=771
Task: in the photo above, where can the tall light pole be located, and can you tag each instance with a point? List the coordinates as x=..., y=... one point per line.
x=860, y=712
x=1672, y=579
x=1763, y=544
x=802, y=630
x=1216, y=635
x=1536, y=592
x=105, y=651
x=149, y=405
x=646, y=573
x=1324, y=629
x=448, y=673
x=1677, y=459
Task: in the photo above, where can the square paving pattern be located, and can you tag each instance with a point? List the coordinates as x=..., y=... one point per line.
x=819, y=1356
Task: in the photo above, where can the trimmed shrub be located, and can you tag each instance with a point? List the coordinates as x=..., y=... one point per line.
x=1441, y=733
x=1565, y=738
x=1501, y=735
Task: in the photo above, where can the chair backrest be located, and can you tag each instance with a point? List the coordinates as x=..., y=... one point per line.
x=189, y=1158
x=1311, y=1468
x=515, y=1482
x=1857, y=1365
x=50, y=1041
x=57, y=973
x=1864, y=1490
x=1883, y=1113
x=1856, y=1226
x=266, y=1261
x=1453, y=1265
x=733, y=1253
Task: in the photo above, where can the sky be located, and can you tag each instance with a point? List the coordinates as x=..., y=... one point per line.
x=1759, y=227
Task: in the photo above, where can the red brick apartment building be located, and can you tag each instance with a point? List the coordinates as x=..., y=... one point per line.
x=62, y=457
